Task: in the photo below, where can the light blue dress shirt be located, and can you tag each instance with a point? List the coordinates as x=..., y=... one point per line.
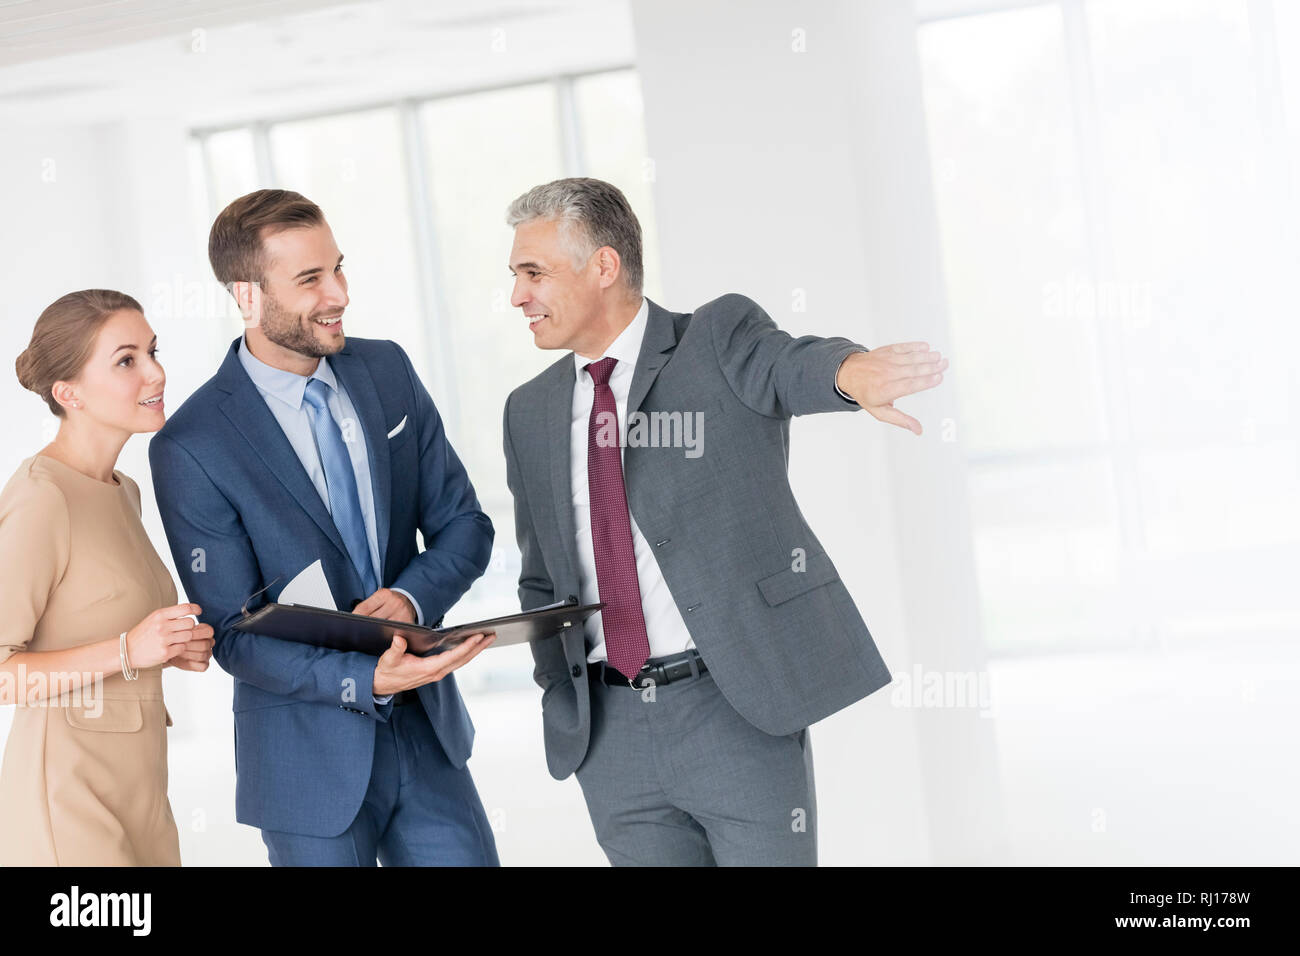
x=283, y=393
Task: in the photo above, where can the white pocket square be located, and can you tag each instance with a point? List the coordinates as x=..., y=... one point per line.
x=400, y=425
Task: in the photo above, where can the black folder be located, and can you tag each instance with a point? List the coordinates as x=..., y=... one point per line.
x=373, y=635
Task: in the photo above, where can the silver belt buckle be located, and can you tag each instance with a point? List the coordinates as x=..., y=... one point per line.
x=630, y=680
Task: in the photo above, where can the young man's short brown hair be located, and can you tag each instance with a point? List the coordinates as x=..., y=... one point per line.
x=235, y=242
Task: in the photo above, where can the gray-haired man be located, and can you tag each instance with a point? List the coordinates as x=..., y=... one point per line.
x=648, y=470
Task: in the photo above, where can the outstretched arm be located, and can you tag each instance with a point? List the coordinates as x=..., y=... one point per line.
x=779, y=375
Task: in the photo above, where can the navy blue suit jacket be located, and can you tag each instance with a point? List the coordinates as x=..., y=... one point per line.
x=240, y=513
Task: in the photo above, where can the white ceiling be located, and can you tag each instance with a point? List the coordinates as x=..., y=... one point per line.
x=40, y=29
x=218, y=61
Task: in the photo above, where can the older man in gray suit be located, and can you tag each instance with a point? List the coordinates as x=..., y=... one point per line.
x=648, y=470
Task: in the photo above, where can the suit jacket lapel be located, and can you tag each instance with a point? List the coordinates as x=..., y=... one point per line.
x=659, y=340
x=559, y=420
x=247, y=411
x=356, y=378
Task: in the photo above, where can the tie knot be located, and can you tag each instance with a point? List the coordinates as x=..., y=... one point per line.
x=316, y=394
x=602, y=370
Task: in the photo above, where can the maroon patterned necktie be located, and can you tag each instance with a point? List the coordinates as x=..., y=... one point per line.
x=626, y=644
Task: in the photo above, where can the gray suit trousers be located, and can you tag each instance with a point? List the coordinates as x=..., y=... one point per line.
x=673, y=776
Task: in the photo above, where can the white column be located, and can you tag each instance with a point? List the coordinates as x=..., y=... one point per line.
x=791, y=164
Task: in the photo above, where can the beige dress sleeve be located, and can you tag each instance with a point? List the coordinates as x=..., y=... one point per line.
x=34, y=542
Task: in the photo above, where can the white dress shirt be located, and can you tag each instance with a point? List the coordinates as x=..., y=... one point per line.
x=663, y=621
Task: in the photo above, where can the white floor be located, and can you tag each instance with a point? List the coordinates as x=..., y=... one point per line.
x=1175, y=758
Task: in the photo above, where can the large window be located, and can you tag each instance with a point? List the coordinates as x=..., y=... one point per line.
x=416, y=194
x=1113, y=181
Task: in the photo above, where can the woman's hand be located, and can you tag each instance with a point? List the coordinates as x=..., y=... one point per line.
x=197, y=652
x=164, y=635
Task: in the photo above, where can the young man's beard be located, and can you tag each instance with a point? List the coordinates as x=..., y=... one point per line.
x=286, y=330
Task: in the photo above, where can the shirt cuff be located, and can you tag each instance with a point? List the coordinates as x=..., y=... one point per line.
x=419, y=619
x=838, y=390
x=419, y=615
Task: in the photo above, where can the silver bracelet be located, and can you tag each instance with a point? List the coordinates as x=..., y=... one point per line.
x=127, y=670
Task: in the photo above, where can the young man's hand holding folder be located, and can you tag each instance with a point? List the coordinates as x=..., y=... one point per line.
x=383, y=624
x=398, y=670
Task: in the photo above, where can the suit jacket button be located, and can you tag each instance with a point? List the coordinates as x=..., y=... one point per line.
x=577, y=670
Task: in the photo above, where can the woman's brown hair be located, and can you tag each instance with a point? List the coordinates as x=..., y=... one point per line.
x=64, y=337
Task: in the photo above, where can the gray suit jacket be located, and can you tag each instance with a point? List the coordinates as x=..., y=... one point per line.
x=782, y=638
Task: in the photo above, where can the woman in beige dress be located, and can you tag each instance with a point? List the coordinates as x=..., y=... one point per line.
x=89, y=611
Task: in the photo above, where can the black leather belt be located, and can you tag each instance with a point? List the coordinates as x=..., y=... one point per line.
x=657, y=671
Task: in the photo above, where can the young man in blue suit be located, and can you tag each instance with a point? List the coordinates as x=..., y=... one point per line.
x=305, y=445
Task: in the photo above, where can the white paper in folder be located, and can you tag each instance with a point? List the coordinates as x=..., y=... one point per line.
x=309, y=588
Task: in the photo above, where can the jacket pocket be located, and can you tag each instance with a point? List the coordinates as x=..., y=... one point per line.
x=400, y=435
x=789, y=583
x=107, y=717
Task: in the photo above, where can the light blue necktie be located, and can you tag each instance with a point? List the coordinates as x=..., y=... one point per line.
x=341, y=481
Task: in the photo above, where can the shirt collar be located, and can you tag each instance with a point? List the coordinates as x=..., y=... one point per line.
x=288, y=387
x=626, y=348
